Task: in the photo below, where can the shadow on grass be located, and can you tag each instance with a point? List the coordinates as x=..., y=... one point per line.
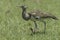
x=38, y=33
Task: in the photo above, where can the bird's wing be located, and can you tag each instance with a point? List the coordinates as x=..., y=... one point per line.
x=39, y=14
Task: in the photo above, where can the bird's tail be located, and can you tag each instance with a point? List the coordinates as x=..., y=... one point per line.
x=53, y=17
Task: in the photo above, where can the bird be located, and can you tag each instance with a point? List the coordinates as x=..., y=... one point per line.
x=36, y=15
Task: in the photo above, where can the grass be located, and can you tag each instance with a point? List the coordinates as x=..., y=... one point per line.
x=13, y=27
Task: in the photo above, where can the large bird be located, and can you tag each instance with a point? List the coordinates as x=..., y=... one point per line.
x=36, y=16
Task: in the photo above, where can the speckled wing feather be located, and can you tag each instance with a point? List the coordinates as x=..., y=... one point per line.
x=39, y=14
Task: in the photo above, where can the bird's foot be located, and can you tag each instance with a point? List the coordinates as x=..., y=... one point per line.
x=34, y=31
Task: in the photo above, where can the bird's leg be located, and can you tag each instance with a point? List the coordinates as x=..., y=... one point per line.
x=44, y=26
x=35, y=28
x=35, y=24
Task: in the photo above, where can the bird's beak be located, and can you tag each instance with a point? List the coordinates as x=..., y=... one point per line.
x=22, y=6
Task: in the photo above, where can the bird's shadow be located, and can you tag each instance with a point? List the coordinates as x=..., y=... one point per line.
x=38, y=33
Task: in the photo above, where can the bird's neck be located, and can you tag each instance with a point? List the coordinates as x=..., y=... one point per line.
x=23, y=11
x=25, y=15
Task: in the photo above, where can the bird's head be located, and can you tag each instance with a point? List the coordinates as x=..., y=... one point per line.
x=23, y=6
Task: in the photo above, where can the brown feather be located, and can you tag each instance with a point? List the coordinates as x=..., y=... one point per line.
x=42, y=14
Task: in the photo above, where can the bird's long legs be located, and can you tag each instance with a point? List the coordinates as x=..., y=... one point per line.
x=35, y=24
x=44, y=26
x=35, y=28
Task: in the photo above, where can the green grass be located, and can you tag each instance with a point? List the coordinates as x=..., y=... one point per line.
x=13, y=27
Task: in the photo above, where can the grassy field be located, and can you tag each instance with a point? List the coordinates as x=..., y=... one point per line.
x=13, y=27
